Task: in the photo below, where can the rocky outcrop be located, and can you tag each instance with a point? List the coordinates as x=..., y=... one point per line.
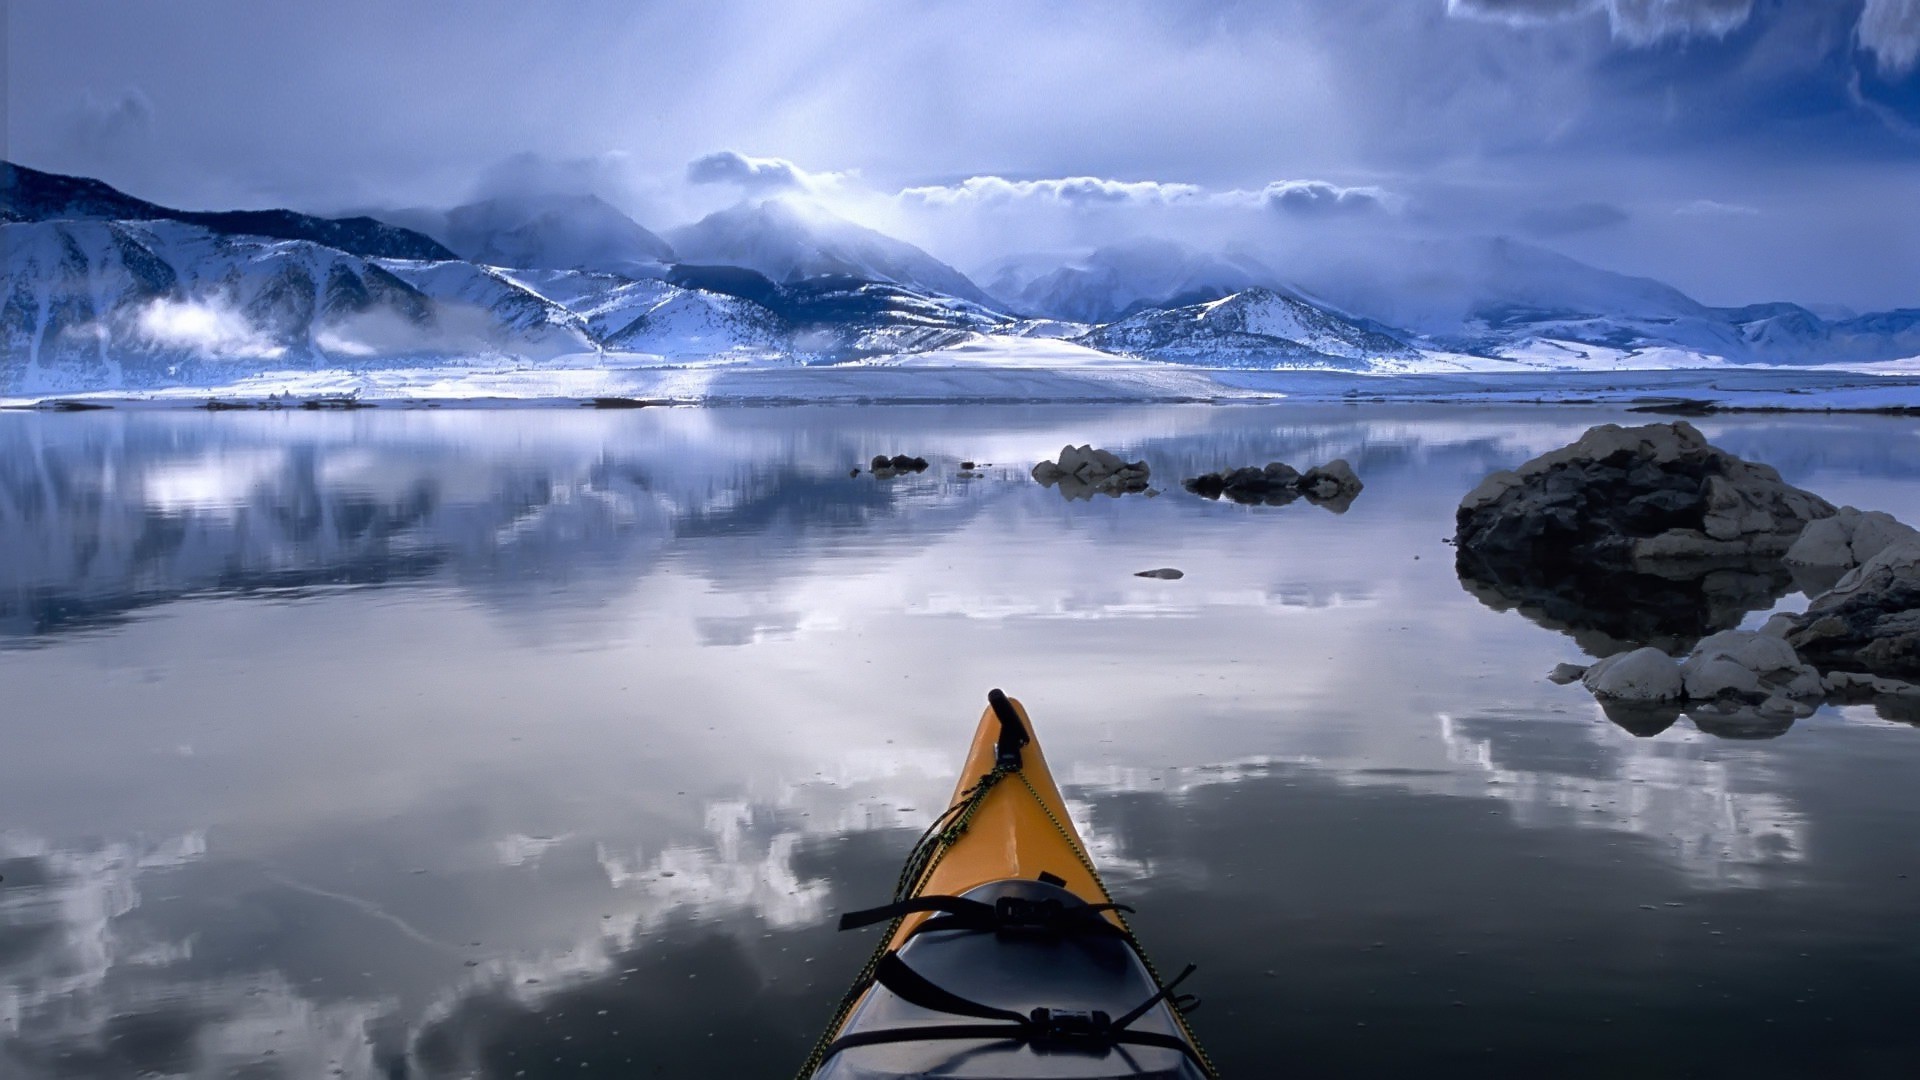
x=1083, y=471
x=1869, y=621
x=1629, y=496
x=1333, y=485
x=1830, y=547
x=1644, y=535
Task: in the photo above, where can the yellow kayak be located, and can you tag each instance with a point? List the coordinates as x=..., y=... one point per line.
x=1004, y=956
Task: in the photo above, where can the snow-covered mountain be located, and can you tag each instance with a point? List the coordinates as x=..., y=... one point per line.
x=1116, y=281
x=1789, y=333
x=1255, y=327
x=104, y=290
x=648, y=315
x=31, y=195
x=118, y=303
x=790, y=242
x=544, y=232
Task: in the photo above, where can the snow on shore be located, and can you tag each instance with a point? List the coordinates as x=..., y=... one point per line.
x=1023, y=369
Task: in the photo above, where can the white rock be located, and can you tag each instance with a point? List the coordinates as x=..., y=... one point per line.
x=1847, y=539
x=1643, y=675
x=1749, y=665
x=1707, y=679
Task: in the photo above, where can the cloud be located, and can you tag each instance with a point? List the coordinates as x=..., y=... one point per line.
x=756, y=175
x=1319, y=199
x=208, y=328
x=608, y=175
x=1890, y=30
x=1073, y=191
x=104, y=125
x=1577, y=218
x=1710, y=208
x=1636, y=22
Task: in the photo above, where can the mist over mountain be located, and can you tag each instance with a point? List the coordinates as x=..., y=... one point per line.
x=543, y=231
x=788, y=242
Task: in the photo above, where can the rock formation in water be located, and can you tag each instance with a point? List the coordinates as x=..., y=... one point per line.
x=883, y=466
x=1830, y=547
x=1082, y=472
x=1644, y=535
x=1632, y=496
x=1333, y=485
x=1735, y=684
x=1870, y=621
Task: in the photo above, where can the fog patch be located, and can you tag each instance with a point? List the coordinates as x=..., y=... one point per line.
x=207, y=328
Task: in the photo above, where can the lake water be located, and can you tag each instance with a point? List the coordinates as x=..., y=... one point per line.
x=442, y=743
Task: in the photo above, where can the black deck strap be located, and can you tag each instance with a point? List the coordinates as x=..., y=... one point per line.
x=1007, y=914
x=1042, y=1026
x=1013, y=732
x=1003, y=1032
x=1166, y=991
x=913, y=988
x=952, y=905
x=1047, y=878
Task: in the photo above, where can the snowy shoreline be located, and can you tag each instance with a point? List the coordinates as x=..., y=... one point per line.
x=1720, y=389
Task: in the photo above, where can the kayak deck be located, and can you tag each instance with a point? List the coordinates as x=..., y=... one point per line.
x=1006, y=957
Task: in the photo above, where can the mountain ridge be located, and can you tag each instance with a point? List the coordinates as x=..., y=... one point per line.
x=31, y=195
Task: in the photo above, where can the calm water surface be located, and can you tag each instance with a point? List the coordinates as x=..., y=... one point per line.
x=459, y=744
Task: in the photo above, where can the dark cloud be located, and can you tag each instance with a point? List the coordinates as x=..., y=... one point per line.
x=1319, y=199
x=1577, y=218
x=105, y=126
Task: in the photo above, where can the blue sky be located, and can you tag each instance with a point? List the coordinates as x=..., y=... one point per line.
x=1742, y=149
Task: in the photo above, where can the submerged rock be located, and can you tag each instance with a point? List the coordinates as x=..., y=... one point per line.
x=1083, y=471
x=1562, y=674
x=1333, y=485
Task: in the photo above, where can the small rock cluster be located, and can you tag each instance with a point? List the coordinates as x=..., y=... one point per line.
x=1333, y=485
x=1083, y=471
x=883, y=466
x=1734, y=682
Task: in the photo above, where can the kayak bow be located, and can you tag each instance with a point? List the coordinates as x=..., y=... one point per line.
x=1004, y=956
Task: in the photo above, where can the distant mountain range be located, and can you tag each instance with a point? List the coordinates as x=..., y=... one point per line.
x=105, y=290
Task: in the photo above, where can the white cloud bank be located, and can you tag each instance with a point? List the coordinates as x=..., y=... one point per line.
x=1890, y=30
x=1637, y=22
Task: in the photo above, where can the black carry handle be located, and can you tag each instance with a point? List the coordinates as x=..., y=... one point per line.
x=1013, y=731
